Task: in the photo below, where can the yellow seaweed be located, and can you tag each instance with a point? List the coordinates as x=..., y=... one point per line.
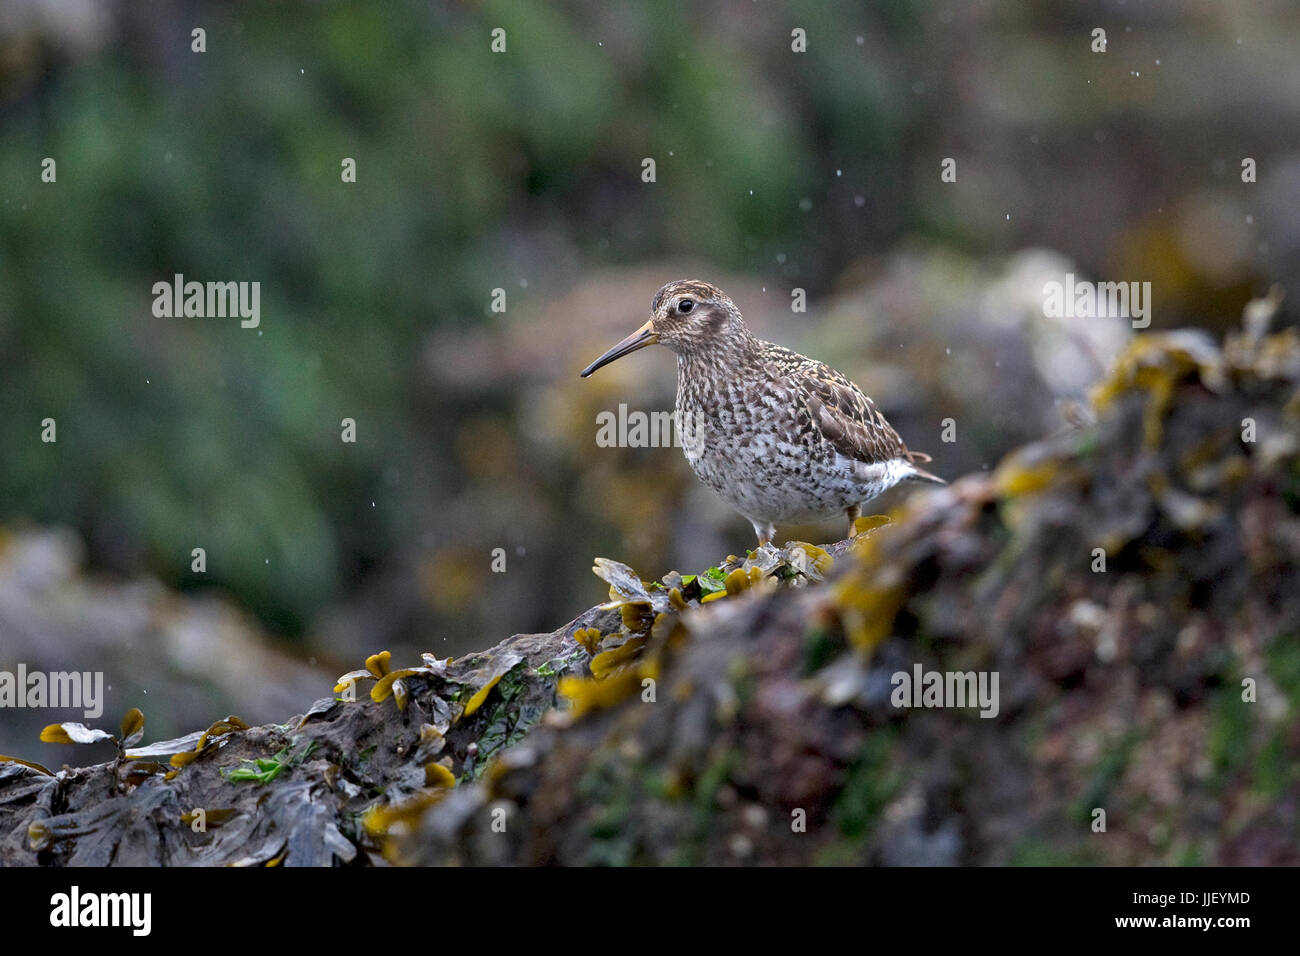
x=476, y=701
x=605, y=663
x=377, y=664
x=588, y=638
x=867, y=523
x=436, y=775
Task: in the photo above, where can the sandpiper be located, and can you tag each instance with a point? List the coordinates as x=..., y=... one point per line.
x=780, y=437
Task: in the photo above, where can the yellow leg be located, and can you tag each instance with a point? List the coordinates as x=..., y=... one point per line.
x=854, y=512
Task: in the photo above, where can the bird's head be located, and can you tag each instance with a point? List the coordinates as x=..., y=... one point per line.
x=688, y=316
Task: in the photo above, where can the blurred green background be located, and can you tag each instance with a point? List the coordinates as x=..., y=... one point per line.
x=521, y=171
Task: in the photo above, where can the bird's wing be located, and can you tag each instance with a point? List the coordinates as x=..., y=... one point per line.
x=849, y=420
x=845, y=417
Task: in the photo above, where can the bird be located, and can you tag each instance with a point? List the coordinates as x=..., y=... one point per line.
x=778, y=436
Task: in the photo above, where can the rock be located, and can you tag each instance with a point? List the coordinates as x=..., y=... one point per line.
x=1123, y=596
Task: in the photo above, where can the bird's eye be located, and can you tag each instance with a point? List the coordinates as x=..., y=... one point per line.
x=685, y=305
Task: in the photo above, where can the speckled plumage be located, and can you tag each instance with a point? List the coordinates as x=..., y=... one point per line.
x=779, y=436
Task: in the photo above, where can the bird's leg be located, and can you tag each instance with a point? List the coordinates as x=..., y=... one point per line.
x=854, y=512
x=764, y=532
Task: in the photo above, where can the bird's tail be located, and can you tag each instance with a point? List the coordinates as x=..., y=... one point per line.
x=920, y=474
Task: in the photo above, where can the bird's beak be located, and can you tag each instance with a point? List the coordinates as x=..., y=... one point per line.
x=637, y=340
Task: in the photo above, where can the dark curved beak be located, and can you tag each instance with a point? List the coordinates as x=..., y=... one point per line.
x=637, y=340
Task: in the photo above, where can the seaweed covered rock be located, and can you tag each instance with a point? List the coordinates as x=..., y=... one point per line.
x=1131, y=585
x=342, y=782
x=1088, y=655
x=307, y=792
